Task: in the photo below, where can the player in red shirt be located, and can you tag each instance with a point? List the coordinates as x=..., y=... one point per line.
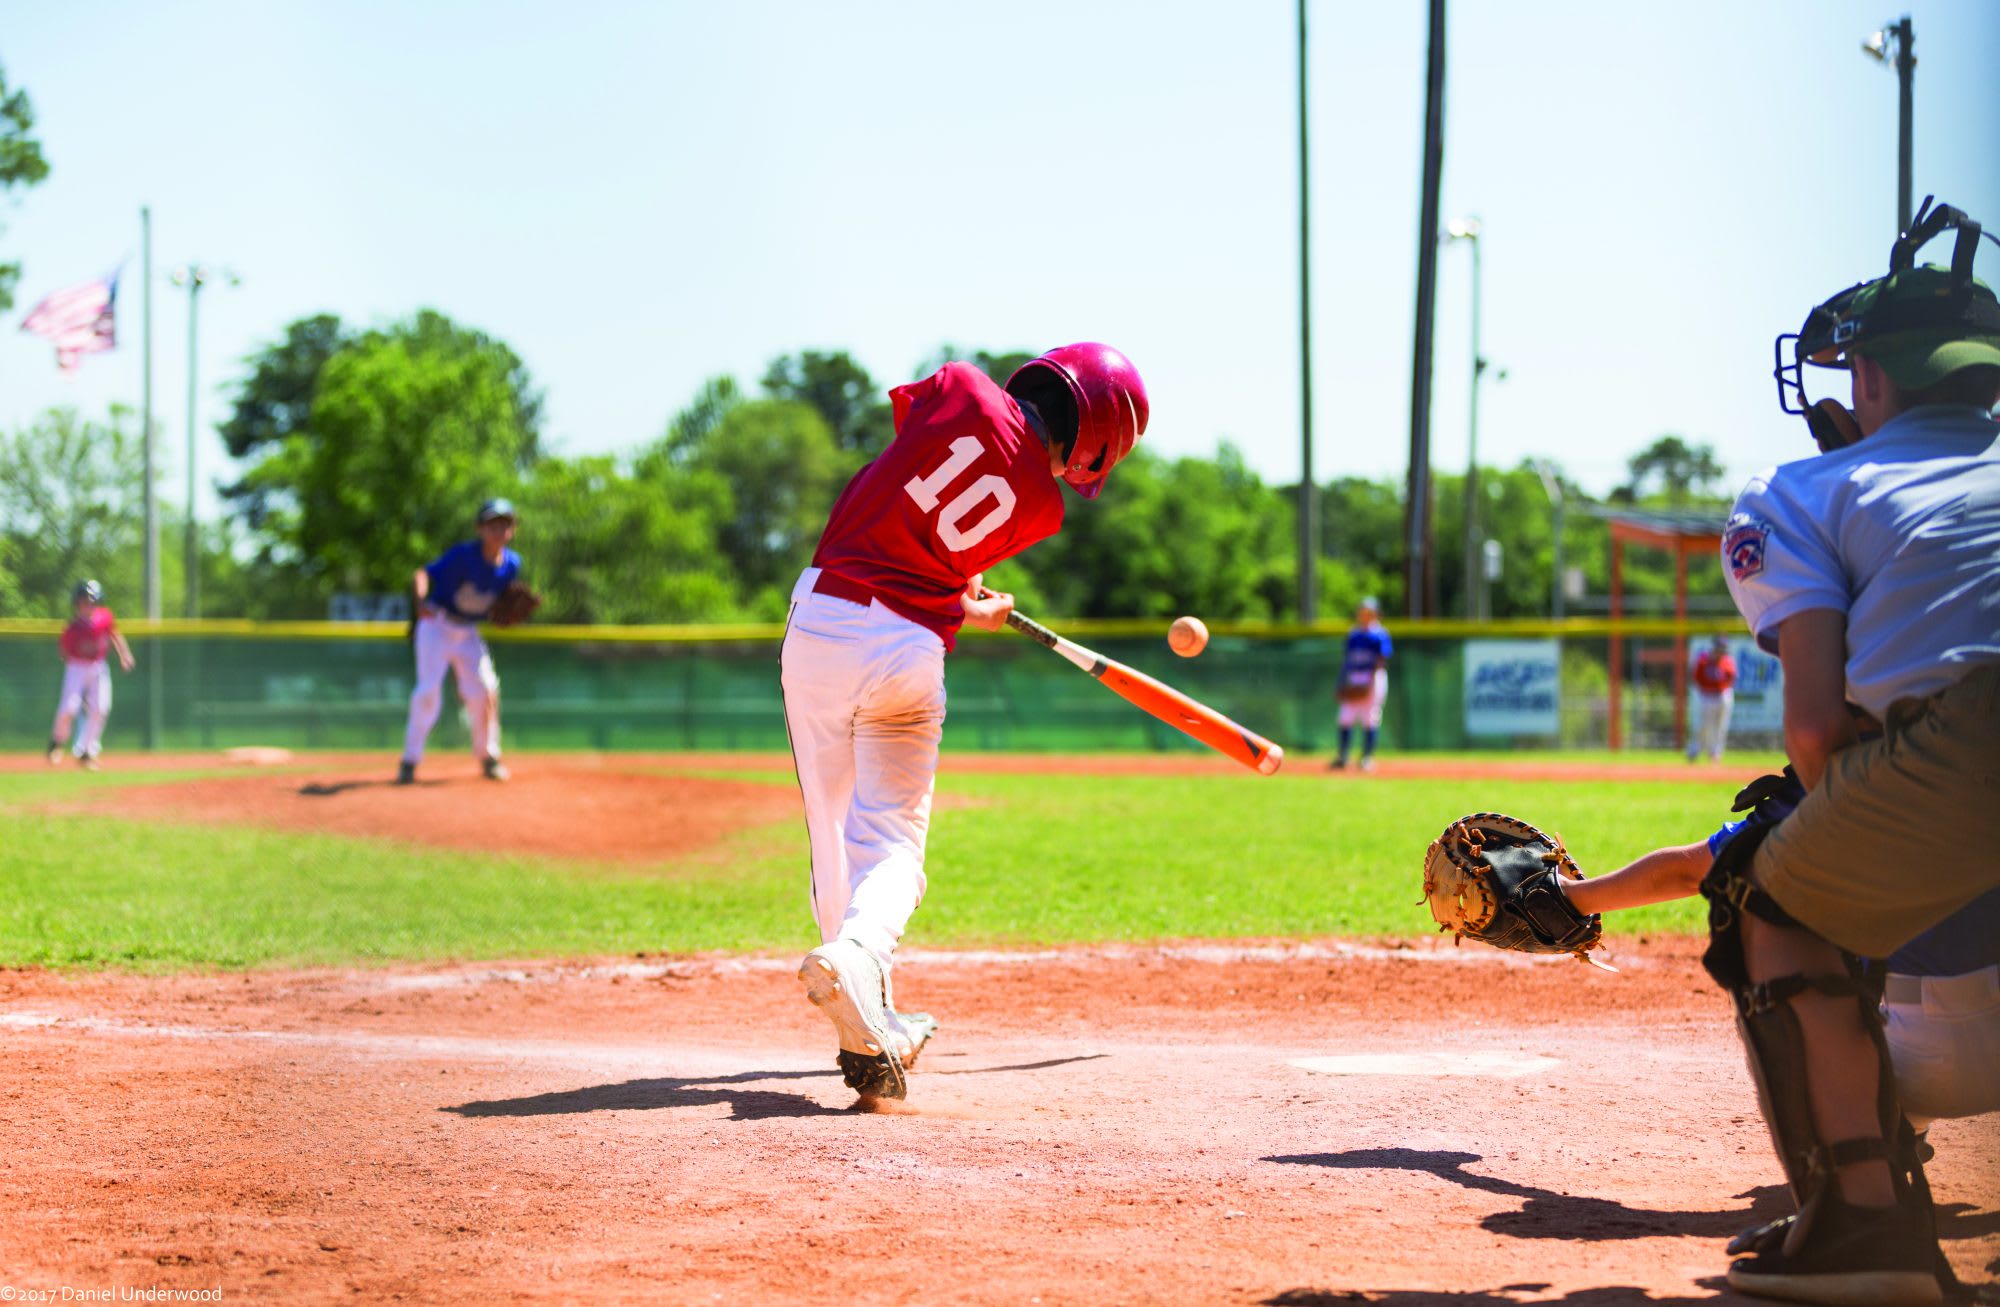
x=972, y=477
x=92, y=634
x=1715, y=698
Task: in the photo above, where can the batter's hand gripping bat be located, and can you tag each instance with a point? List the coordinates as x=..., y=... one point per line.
x=1162, y=701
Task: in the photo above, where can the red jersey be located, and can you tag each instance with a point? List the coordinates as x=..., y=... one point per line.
x=1714, y=672
x=964, y=485
x=88, y=639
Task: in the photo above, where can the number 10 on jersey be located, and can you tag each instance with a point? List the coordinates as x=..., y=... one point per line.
x=929, y=492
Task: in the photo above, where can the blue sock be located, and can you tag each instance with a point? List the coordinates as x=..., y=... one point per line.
x=1368, y=742
x=1346, y=741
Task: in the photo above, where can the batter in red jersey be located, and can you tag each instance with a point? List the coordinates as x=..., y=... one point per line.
x=972, y=477
x=87, y=641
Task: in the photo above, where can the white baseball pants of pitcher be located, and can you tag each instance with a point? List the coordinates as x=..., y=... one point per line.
x=86, y=688
x=1711, y=723
x=864, y=706
x=444, y=645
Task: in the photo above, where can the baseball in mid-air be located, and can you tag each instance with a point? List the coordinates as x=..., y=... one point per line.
x=1188, y=636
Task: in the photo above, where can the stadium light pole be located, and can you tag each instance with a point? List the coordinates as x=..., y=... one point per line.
x=1894, y=45
x=1552, y=486
x=1467, y=229
x=194, y=276
x=1308, y=492
x=1419, y=563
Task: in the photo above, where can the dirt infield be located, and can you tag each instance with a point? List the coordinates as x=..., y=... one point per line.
x=585, y=807
x=624, y=808
x=1111, y=1126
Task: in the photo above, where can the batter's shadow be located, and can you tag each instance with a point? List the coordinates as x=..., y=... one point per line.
x=1610, y=1295
x=1546, y=1214
x=702, y=1091
x=666, y=1091
x=328, y=789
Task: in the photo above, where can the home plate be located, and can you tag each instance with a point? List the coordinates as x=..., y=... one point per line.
x=1504, y=1065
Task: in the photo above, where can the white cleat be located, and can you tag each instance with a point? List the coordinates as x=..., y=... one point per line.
x=911, y=1031
x=845, y=982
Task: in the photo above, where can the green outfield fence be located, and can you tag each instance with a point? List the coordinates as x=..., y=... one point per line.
x=220, y=684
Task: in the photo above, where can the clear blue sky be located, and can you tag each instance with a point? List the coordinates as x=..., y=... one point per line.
x=639, y=196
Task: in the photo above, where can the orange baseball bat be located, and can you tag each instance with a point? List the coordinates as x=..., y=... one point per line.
x=1162, y=701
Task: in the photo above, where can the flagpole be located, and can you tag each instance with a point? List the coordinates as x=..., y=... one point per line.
x=146, y=410
x=155, y=681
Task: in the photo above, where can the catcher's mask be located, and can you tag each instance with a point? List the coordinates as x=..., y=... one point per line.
x=1930, y=320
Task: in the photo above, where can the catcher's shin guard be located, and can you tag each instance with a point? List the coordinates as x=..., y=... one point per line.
x=1775, y=1049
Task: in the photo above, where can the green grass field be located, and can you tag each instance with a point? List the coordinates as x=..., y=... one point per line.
x=1014, y=860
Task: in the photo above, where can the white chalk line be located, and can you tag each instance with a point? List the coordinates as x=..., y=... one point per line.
x=658, y=1059
x=1205, y=954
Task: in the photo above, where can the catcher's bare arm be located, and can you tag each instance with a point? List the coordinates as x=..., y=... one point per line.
x=1498, y=880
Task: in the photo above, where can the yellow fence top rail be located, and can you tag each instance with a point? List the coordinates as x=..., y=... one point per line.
x=750, y=632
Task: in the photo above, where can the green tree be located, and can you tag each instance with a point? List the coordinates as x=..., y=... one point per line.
x=607, y=546
x=275, y=402
x=409, y=429
x=997, y=366
x=69, y=490
x=782, y=469
x=1167, y=537
x=1673, y=470
x=1361, y=536
x=839, y=390
x=21, y=165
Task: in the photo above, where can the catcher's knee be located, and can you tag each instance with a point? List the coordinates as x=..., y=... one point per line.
x=1774, y=1042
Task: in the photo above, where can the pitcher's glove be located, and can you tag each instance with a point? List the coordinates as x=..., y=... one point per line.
x=1493, y=878
x=516, y=604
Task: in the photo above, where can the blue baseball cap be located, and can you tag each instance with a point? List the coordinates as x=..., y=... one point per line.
x=494, y=509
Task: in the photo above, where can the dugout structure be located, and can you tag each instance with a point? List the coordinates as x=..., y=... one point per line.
x=1681, y=534
x=206, y=685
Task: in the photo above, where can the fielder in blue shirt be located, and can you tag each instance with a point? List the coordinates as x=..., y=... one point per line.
x=453, y=595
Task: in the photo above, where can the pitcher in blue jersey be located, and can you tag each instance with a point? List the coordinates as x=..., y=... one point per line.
x=454, y=594
x=1364, y=683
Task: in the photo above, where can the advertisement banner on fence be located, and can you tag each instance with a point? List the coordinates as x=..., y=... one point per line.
x=1511, y=687
x=1760, y=688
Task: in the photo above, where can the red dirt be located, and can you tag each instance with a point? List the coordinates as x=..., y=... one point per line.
x=1112, y=1126
x=584, y=807
x=617, y=808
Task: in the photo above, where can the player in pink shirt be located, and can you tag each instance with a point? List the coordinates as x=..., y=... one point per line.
x=92, y=634
x=973, y=476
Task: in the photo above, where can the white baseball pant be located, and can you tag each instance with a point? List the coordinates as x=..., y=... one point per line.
x=864, y=706
x=1711, y=723
x=1944, y=1041
x=86, y=688
x=444, y=645
x=1367, y=713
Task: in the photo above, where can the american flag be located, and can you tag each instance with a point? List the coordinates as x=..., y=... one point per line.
x=79, y=321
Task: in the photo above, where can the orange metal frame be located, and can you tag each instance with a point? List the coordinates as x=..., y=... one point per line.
x=1680, y=545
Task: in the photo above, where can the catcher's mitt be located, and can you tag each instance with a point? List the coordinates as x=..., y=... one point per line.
x=1493, y=878
x=516, y=604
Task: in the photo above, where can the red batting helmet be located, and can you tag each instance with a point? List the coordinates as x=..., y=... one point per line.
x=1111, y=408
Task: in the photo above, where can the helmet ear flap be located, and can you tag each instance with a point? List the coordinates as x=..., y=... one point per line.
x=1054, y=403
x=1832, y=426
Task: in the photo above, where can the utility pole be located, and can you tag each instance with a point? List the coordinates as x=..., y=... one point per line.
x=1552, y=486
x=1895, y=45
x=152, y=507
x=1308, y=490
x=1467, y=229
x=1420, y=572
x=194, y=277
x=155, y=677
